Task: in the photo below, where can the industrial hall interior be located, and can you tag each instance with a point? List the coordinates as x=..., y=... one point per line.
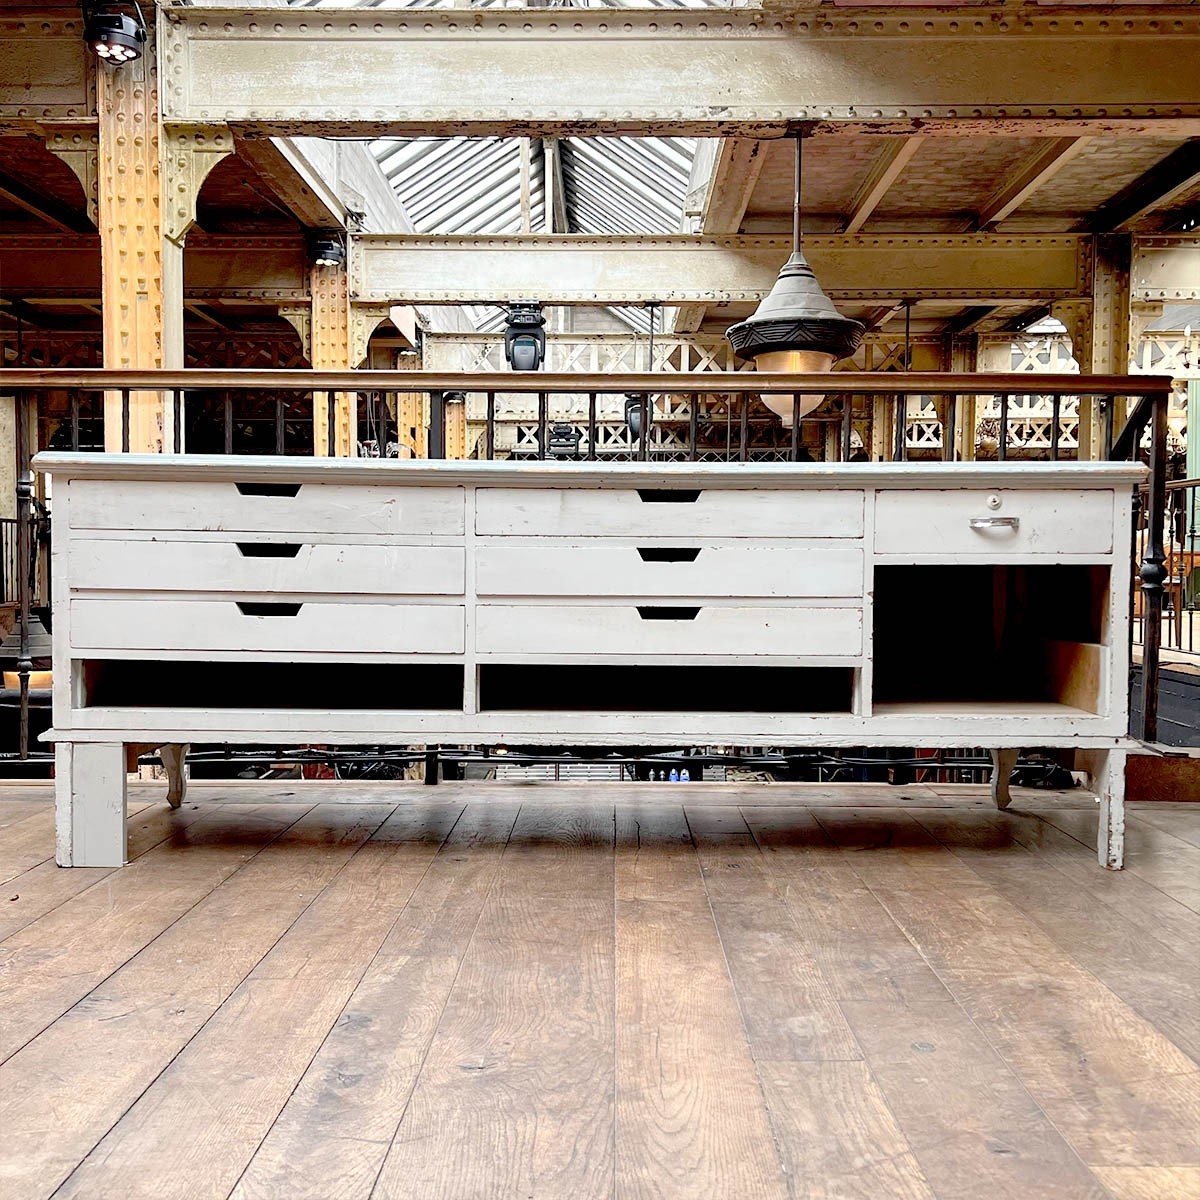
x=599, y=600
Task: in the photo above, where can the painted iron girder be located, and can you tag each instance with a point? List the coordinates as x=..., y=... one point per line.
x=683, y=268
x=741, y=70
x=265, y=270
x=45, y=73
x=1166, y=269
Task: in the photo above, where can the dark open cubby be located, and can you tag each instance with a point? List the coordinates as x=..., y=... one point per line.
x=508, y=688
x=990, y=633
x=262, y=685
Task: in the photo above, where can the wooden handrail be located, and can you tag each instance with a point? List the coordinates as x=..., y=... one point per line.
x=739, y=382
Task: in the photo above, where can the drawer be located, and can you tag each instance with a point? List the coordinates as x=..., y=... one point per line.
x=242, y=508
x=201, y=625
x=994, y=524
x=595, y=569
x=714, y=513
x=650, y=630
x=267, y=566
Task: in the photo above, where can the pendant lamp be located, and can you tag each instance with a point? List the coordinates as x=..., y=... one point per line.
x=796, y=329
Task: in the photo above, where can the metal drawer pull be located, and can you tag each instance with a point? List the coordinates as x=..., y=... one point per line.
x=666, y=613
x=253, y=608
x=995, y=522
x=668, y=554
x=270, y=549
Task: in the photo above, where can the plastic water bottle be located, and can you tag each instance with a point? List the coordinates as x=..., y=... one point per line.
x=673, y=777
x=685, y=776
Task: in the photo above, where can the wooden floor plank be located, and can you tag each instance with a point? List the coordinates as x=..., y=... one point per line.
x=655, y=858
x=692, y=1120
x=840, y=1140
x=56, y=960
x=1161, y=859
x=1179, y=820
x=788, y=1009
x=1119, y=1091
x=970, y=1122
x=1152, y=1183
x=859, y=949
x=516, y=1094
x=13, y=811
x=1154, y=980
x=62, y=1093
x=29, y=841
x=330, y=1139
x=43, y=888
x=250, y=1055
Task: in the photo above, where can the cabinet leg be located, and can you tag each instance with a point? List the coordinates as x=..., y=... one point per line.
x=89, y=801
x=1106, y=770
x=173, y=760
x=1003, y=762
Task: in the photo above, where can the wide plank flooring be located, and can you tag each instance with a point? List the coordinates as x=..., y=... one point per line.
x=568, y=991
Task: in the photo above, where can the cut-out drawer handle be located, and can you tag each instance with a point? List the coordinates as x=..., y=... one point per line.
x=995, y=522
x=668, y=553
x=270, y=549
x=658, y=612
x=258, y=608
x=669, y=495
x=268, y=489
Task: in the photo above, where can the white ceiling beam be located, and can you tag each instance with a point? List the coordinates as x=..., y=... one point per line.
x=705, y=269
x=690, y=71
x=1035, y=172
x=886, y=169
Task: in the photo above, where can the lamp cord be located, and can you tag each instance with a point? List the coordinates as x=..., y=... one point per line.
x=797, y=235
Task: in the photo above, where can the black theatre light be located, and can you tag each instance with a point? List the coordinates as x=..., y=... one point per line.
x=327, y=248
x=524, y=335
x=116, y=33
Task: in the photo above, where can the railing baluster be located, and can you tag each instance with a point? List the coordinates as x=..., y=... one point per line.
x=491, y=426
x=75, y=420
x=1153, y=571
x=279, y=433
x=900, y=409
x=124, y=420
x=436, y=445
x=177, y=415
x=693, y=426
x=644, y=439
x=1110, y=414
x=543, y=423
x=227, y=420
x=1056, y=412
x=794, y=450
x=744, y=429
x=847, y=441
x=25, y=496
x=591, y=427
x=950, y=433
x=1002, y=440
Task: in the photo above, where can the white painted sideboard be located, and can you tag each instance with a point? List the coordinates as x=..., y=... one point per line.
x=332, y=602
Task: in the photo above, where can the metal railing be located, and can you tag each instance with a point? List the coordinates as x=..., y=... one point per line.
x=9, y=573
x=863, y=416
x=1181, y=585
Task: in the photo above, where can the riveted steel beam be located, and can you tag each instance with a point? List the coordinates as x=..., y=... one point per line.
x=683, y=269
x=1165, y=269
x=249, y=270
x=740, y=70
x=46, y=77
